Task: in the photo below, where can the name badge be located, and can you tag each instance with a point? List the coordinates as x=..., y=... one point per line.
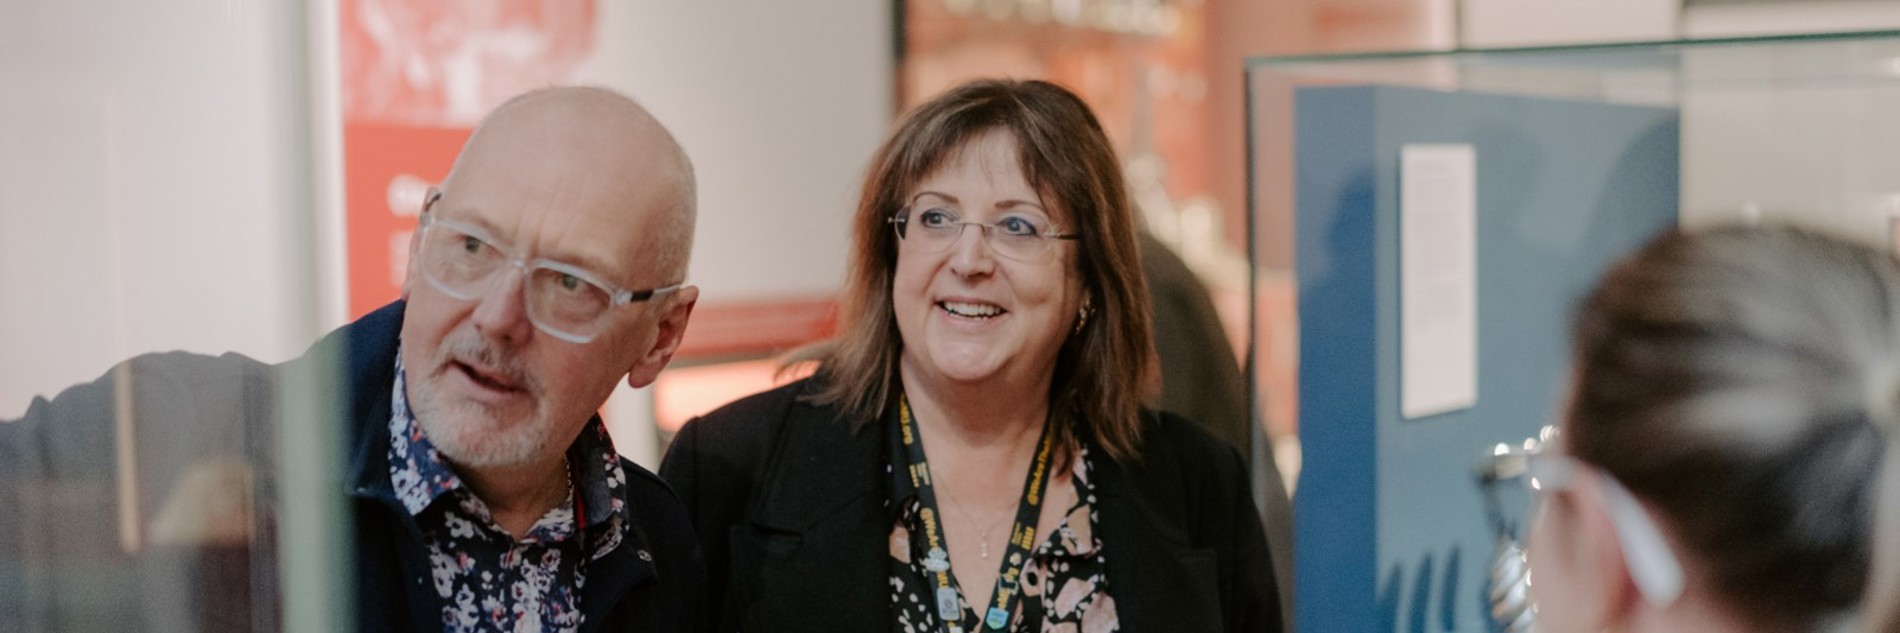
x=996, y=619
x=947, y=607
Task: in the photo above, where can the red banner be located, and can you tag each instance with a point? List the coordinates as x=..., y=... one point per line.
x=389, y=169
x=416, y=77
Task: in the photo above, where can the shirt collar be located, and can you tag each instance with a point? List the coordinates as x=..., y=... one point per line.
x=417, y=471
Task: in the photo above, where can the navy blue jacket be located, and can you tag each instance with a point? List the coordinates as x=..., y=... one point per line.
x=202, y=484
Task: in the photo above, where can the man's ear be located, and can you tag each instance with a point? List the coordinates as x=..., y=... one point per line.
x=672, y=330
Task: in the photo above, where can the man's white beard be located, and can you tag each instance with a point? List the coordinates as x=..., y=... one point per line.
x=474, y=434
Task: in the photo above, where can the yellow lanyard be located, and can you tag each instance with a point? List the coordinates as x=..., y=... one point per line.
x=1022, y=535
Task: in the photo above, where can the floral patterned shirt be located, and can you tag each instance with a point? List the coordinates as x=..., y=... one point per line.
x=1064, y=587
x=489, y=581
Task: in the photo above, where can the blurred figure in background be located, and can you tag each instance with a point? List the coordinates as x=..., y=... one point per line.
x=1201, y=381
x=995, y=324
x=1735, y=394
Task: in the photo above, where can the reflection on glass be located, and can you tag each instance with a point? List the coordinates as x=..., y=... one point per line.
x=157, y=195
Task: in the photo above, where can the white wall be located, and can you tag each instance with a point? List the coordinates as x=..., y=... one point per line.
x=153, y=186
x=1808, y=136
x=1762, y=17
x=780, y=105
x=1495, y=23
x=1812, y=144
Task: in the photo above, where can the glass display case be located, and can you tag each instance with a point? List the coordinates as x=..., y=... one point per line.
x=163, y=190
x=1444, y=211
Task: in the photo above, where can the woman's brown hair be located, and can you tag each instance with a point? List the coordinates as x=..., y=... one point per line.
x=1103, y=371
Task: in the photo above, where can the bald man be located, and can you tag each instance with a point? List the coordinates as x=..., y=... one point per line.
x=484, y=492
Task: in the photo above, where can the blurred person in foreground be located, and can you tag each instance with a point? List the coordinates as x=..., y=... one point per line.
x=483, y=492
x=971, y=453
x=1735, y=394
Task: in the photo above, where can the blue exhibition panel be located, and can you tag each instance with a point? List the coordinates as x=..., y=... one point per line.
x=1390, y=524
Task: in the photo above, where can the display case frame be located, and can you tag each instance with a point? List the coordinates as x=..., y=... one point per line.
x=1582, y=154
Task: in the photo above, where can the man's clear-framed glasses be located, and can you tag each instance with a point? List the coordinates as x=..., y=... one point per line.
x=564, y=301
x=932, y=224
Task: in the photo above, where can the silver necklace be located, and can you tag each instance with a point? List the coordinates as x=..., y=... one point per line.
x=982, y=532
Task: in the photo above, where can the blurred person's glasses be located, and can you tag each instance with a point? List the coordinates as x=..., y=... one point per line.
x=1545, y=470
x=563, y=300
x=931, y=224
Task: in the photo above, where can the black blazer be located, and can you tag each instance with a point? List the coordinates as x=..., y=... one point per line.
x=790, y=508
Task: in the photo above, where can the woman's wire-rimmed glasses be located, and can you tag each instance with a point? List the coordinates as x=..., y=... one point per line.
x=931, y=224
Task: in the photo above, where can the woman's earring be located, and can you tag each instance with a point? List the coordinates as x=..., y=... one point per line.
x=1082, y=316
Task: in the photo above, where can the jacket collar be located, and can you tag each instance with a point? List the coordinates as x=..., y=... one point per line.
x=1154, y=569
x=1147, y=554
x=604, y=589
x=824, y=466
x=366, y=353
x=367, y=349
x=826, y=492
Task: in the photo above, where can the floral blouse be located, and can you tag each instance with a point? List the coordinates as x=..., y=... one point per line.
x=489, y=581
x=1064, y=587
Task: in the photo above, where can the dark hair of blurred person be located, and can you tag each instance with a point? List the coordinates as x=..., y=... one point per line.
x=1736, y=390
x=1015, y=357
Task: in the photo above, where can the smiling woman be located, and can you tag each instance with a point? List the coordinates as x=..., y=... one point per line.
x=973, y=313
x=1019, y=353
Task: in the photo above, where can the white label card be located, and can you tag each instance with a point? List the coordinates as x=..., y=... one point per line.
x=1438, y=282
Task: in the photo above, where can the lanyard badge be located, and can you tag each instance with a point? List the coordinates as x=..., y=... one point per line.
x=1022, y=535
